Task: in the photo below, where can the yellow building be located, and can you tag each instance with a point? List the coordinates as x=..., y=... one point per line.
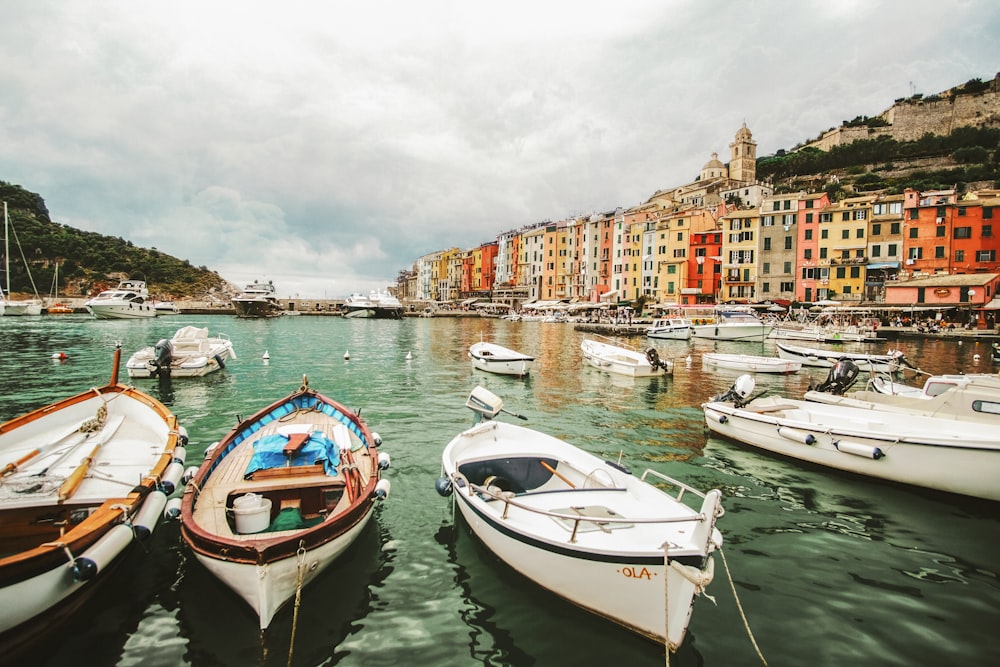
x=740, y=254
x=843, y=247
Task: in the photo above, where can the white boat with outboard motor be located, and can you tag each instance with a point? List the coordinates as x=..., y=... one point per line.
x=670, y=328
x=917, y=448
x=733, y=323
x=191, y=352
x=890, y=362
x=618, y=545
x=615, y=358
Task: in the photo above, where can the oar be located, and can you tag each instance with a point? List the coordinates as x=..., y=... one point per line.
x=111, y=424
x=14, y=466
x=553, y=471
x=69, y=487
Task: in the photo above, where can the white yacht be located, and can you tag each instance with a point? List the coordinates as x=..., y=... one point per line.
x=130, y=300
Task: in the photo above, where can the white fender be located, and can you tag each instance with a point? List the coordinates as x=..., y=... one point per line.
x=171, y=476
x=716, y=417
x=144, y=521
x=189, y=474
x=858, y=449
x=382, y=489
x=102, y=553
x=180, y=453
x=173, y=509
x=797, y=435
x=383, y=460
x=376, y=438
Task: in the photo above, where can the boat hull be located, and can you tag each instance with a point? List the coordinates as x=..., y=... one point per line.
x=47, y=457
x=256, y=308
x=884, y=363
x=493, y=358
x=620, y=361
x=941, y=454
x=616, y=572
x=316, y=489
x=121, y=311
x=749, y=363
x=724, y=331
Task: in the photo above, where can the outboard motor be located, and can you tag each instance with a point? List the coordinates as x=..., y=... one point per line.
x=163, y=356
x=843, y=374
x=739, y=393
x=653, y=357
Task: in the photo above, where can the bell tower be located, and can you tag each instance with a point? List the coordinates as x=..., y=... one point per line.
x=743, y=157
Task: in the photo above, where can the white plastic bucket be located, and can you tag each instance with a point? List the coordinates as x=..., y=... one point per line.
x=252, y=513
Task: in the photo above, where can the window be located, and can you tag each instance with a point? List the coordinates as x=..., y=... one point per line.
x=766, y=268
x=855, y=271
x=826, y=217
x=807, y=253
x=788, y=287
x=861, y=214
x=845, y=233
x=860, y=233
x=961, y=211
x=941, y=210
x=786, y=267
x=893, y=249
x=963, y=232
x=788, y=204
x=767, y=244
x=822, y=253
x=959, y=255
x=824, y=234
x=880, y=209
x=809, y=217
x=986, y=255
x=914, y=214
x=876, y=251
x=987, y=213
x=765, y=287
x=876, y=229
x=987, y=230
x=939, y=231
x=767, y=221
x=845, y=216
x=896, y=207
x=808, y=235
x=894, y=228
x=915, y=253
x=809, y=204
x=847, y=289
x=788, y=243
x=841, y=272
x=913, y=232
x=671, y=268
x=939, y=252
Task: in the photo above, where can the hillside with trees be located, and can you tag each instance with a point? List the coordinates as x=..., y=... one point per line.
x=89, y=262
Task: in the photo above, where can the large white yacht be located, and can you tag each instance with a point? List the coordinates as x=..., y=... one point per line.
x=130, y=300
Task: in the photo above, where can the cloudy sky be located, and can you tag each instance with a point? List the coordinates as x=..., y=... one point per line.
x=325, y=145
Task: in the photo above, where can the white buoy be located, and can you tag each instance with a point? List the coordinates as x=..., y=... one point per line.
x=688, y=360
x=409, y=356
x=59, y=356
x=975, y=357
x=266, y=356
x=347, y=355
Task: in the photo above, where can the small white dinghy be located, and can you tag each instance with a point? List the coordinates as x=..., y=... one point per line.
x=584, y=528
x=494, y=358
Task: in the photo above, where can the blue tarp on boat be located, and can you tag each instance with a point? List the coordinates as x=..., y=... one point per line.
x=268, y=452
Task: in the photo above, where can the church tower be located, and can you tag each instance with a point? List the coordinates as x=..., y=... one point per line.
x=743, y=161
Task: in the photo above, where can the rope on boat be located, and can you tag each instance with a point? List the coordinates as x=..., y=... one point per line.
x=96, y=422
x=666, y=604
x=300, y=569
x=739, y=607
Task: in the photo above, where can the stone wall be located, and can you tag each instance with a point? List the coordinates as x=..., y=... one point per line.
x=911, y=119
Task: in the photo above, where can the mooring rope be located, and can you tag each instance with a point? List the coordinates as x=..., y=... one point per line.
x=301, y=568
x=739, y=607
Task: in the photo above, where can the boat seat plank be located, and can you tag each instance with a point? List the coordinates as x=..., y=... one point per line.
x=296, y=441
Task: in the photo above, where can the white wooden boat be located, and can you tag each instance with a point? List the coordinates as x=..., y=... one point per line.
x=494, y=358
x=921, y=449
x=823, y=333
x=129, y=301
x=890, y=362
x=623, y=360
x=733, y=324
x=279, y=498
x=189, y=353
x=749, y=363
x=81, y=480
x=670, y=328
x=581, y=527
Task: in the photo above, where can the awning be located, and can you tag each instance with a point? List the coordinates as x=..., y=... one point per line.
x=883, y=265
x=468, y=301
x=992, y=305
x=609, y=294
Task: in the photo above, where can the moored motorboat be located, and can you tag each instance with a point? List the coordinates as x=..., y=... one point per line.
x=749, y=362
x=732, y=323
x=918, y=448
x=670, y=328
x=616, y=358
x=257, y=300
x=889, y=362
x=378, y=304
x=584, y=528
x=129, y=301
x=190, y=352
x=281, y=496
x=81, y=480
x=494, y=358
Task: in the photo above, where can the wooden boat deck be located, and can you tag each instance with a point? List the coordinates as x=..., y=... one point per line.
x=291, y=483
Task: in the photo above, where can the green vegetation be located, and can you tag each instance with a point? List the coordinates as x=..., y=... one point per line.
x=88, y=261
x=975, y=149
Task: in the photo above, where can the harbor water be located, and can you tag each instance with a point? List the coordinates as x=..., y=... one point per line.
x=827, y=568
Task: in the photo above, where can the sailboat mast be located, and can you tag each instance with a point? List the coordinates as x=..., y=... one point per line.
x=6, y=249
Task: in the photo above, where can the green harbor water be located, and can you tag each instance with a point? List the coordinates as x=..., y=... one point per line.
x=828, y=569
